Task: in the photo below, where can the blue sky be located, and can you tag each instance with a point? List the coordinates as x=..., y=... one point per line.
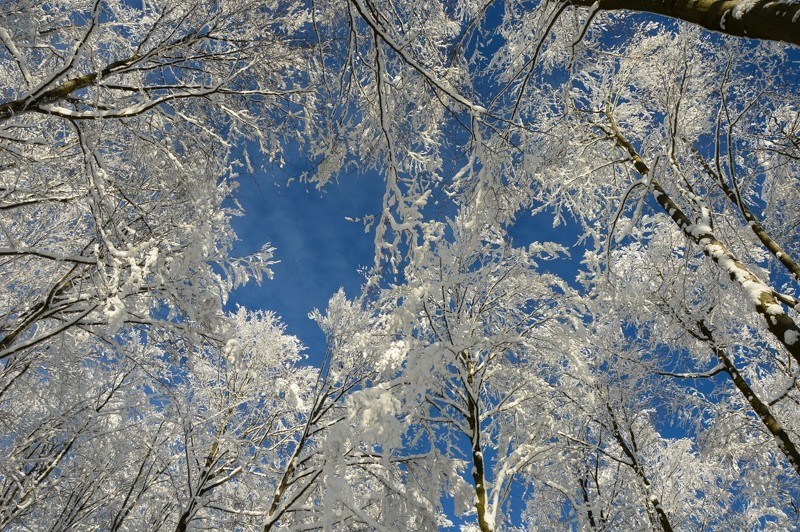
x=318, y=249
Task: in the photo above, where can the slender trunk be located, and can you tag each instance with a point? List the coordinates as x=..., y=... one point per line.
x=760, y=295
x=478, y=467
x=184, y=520
x=588, y=503
x=275, y=511
x=785, y=444
x=281, y=489
x=660, y=520
x=754, y=223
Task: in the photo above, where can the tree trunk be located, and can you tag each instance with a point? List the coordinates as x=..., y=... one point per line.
x=759, y=19
x=785, y=443
x=760, y=295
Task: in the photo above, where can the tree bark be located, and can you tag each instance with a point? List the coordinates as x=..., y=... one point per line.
x=754, y=223
x=760, y=19
x=62, y=91
x=478, y=466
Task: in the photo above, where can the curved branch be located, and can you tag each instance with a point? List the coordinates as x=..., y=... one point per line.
x=58, y=257
x=759, y=19
x=410, y=61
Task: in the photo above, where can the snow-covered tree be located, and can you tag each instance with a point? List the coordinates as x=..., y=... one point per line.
x=119, y=125
x=487, y=341
x=472, y=348
x=128, y=441
x=658, y=392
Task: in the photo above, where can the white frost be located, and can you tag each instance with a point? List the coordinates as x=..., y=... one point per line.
x=114, y=310
x=741, y=9
x=231, y=351
x=791, y=337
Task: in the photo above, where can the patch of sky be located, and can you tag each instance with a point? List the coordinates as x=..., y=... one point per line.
x=529, y=228
x=318, y=250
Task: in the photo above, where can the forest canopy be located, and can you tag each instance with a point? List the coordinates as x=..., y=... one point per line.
x=470, y=384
